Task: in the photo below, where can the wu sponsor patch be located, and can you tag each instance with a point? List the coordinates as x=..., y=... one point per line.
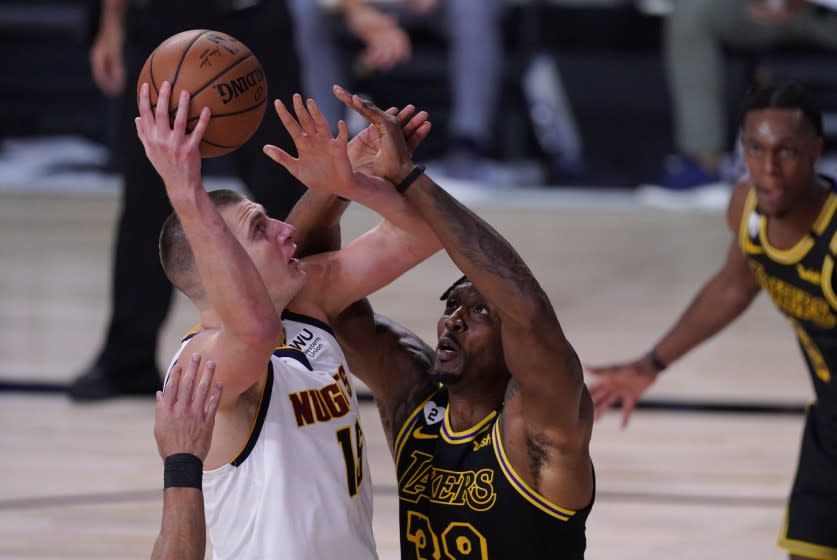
x=310, y=343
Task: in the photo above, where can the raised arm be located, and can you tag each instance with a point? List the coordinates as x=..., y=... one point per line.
x=381, y=255
x=544, y=367
x=316, y=216
x=723, y=298
x=246, y=326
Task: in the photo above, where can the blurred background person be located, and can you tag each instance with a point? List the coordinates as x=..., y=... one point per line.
x=695, y=36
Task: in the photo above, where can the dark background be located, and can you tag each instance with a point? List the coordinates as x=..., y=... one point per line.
x=609, y=58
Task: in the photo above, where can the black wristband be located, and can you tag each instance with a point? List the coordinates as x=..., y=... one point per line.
x=183, y=470
x=343, y=198
x=655, y=360
x=410, y=179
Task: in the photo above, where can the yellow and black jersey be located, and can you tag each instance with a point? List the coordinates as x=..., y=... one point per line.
x=459, y=496
x=802, y=283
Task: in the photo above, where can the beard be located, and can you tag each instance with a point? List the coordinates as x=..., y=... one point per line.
x=445, y=378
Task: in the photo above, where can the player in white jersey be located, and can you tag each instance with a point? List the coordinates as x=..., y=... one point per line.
x=284, y=475
x=308, y=428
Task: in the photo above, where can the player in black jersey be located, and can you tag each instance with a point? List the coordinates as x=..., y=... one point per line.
x=490, y=432
x=782, y=215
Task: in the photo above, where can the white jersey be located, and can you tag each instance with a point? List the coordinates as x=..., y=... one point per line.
x=300, y=488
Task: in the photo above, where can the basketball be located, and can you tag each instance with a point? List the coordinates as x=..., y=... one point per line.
x=219, y=72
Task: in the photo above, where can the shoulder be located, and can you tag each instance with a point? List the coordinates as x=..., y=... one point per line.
x=737, y=202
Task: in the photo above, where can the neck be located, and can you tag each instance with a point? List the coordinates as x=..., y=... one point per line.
x=210, y=319
x=466, y=407
x=805, y=212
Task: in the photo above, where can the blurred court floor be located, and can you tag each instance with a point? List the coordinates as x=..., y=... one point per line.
x=84, y=481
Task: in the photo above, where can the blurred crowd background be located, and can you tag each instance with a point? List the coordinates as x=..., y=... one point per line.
x=595, y=93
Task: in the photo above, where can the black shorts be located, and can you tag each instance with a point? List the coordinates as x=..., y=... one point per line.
x=811, y=524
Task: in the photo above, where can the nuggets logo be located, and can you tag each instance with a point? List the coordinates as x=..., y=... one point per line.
x=319, y=405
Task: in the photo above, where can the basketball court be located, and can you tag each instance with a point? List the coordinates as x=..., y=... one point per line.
x=704, y=470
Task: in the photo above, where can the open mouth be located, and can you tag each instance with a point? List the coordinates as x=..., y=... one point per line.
x=446, y=348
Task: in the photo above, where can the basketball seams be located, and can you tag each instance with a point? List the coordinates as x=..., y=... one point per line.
x=213, y=144
x=151, y=74
x=222, y=72
x=231, y=114
x=172, y=60
x=183, y=57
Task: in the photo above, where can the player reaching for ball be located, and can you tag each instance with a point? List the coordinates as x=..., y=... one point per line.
x=219, y=72
x=286, y=470
x=129, y=31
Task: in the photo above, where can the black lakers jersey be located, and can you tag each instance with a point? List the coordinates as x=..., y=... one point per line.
x=459, y=496
x=801, y=283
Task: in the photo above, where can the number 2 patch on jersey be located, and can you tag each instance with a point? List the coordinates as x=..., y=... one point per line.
x=433, y=413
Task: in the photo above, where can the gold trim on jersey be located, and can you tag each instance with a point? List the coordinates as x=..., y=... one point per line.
x=802, y=548
x=827, y=275
x=815, y=357
x=801, y=248
x=528, y=493
x=826, y=281
x=744, y=227
x=465, y=436
x=826, y=214
x=258, y=419
x=403, y=434
x=191, y=332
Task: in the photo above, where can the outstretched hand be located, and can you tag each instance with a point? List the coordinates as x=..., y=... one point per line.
x=392, y=158
x=621, y=382
x=363, y=148
x=323, y=162
x=173, y=153
x=185, y=413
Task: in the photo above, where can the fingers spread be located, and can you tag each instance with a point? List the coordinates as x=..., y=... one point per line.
x=627, y=408
x=172, y=388
x=182, y=112
x=342, y=131
x=293, y=128
x=302, y=115
x=203, y=122
x=405, y=113
x=161, y=114
x=202, y=389
x=145, y=105
x=187, y=382
x=320, y=122
x=214, y=400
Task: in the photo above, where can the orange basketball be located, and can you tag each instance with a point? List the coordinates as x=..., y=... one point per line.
x=219, y=72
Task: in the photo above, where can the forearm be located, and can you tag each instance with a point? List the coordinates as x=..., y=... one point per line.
x=316, y=217
x=113, y=14
x=480, y=252
x=717, y=305
x=352, y=6
x=407, y=228
x=183, y=532
x=232, y=284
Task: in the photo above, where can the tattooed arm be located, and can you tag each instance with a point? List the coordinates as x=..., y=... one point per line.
x=548, y=412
